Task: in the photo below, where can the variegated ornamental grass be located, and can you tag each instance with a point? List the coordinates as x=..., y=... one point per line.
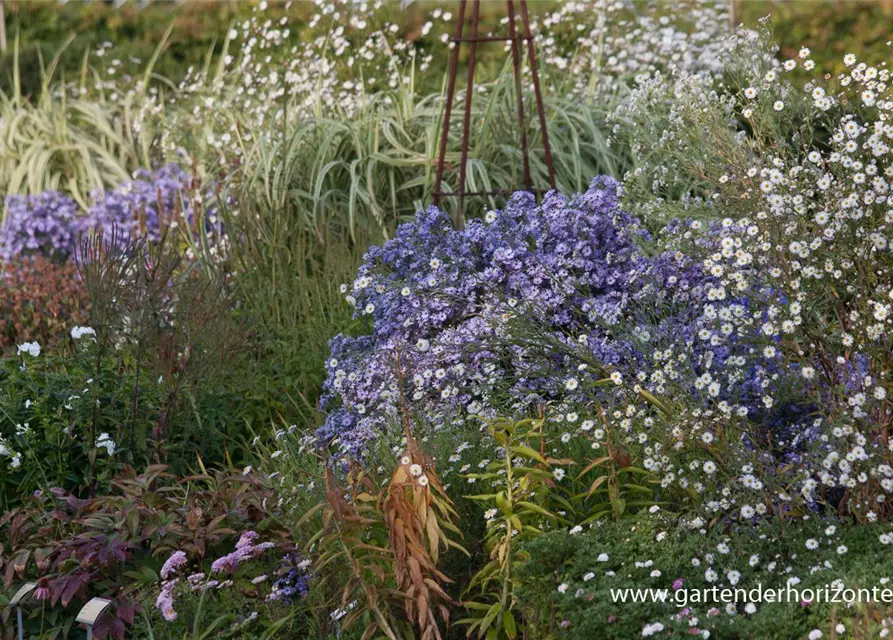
x=68, y=139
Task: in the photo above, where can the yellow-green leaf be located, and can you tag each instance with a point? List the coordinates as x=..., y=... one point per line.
x=529, y=453
x=508, y=623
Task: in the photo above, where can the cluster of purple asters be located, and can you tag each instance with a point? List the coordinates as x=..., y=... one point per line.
x=51, y=224
x=48, y=224
x=502, y=314
x=293, y=583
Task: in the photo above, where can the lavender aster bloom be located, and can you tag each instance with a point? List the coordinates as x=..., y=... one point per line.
x=46, y=223
x=293, y=583
x=51, y=224
x=445, y=303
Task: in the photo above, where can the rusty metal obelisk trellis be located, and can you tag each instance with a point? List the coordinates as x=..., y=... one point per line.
x=515, y=37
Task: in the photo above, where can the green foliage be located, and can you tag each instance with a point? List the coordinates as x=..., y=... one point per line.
x=287, y=288
x=47, y=415
x=655, y=552
x=529, y=500
x=153, y=379
x=517, y=516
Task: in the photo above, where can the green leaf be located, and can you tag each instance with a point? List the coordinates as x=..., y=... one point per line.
x=657, y=403
x=634, y=470
x=596, y=516
x=490, y=617
x=636, y=487
x=537, y=509
x=527, y=452
x=310, y=513
x=530, y=471
x=482, y=496
x=508, y=623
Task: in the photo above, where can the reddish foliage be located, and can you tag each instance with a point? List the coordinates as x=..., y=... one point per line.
x=40, y=300
x=80, y=548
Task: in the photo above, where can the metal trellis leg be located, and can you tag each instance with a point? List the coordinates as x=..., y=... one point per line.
x=514, y=38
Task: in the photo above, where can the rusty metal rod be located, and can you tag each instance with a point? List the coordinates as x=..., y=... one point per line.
x=489, y=38
x=469, y=95
x=516, y=63
x=448, y=107
x=531, y=52
x=514, y=38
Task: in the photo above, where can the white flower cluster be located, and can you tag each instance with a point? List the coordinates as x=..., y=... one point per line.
x=272, y=77
x=804, y=172
x=104, y=441
x=30, y=348
x=600, y=44
x=6, y=451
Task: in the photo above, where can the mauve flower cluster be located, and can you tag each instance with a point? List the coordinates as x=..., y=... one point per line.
x=245, y=550
x=165, y=600
x=526, y=307
x=51, y=223
x=172, y=564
